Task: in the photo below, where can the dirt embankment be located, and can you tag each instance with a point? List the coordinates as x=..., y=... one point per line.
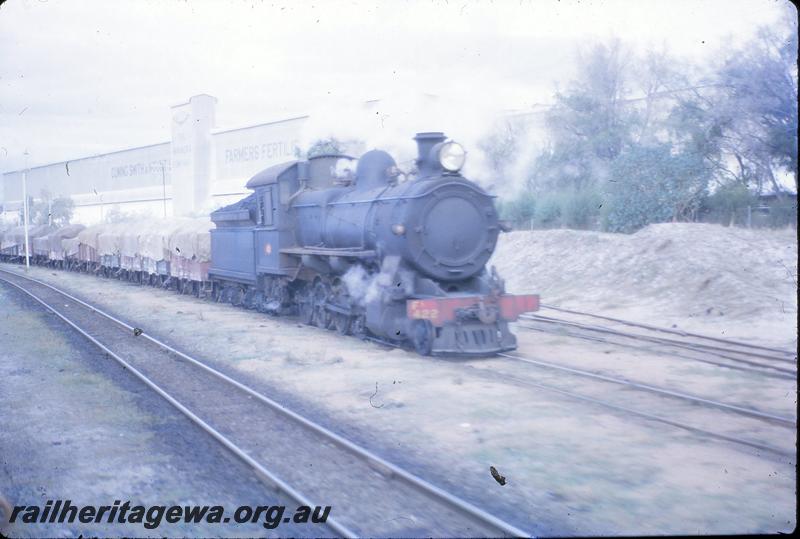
x=685, y=273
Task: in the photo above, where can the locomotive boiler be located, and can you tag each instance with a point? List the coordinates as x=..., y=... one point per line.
x=347, y=245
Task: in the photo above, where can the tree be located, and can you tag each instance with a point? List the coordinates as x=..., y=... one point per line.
x=729, y=200
x=651, y=184
x=49, y=210
x=62, y=209
x=616, y=103
x=658, y=77
x=502, y=145
x=761, y=85
x=519, y=210
x=590, y=124
x=744, y=119
x=658, y=139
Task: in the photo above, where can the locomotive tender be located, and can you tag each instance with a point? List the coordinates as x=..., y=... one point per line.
x=348, y=246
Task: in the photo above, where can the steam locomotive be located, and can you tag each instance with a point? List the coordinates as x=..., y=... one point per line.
x=343, y=243
x=348, y=246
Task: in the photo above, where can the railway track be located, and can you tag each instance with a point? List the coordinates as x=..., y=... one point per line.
x=662, y=391
x=682, y=414
x=771, y=362
x=369, y=495
x=730, y=342
x=765, y=361
x=775, y=420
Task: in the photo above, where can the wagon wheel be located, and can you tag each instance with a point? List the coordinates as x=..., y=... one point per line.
x=251, y=298
x=236, y=295
x=215, y=292
x=342, y=323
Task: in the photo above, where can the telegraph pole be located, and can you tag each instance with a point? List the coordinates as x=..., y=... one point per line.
x=164, y=189
x=25, y=211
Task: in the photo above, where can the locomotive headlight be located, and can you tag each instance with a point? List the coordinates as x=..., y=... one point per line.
x=398, y=230
x=452, y=156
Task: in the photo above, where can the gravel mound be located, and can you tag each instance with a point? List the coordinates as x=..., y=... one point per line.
x=683, y=269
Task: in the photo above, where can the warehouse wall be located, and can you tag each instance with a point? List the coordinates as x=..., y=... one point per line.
x=203, y=169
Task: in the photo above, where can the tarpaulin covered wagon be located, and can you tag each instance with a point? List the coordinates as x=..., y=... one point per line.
x=47, y=249
x=109, y=247
x=55, y=247
x=190, y=254
x=87, y=247
x=71, y=247
x=40, y=247
x=13, y=243
x=6, y=235
x=153, y=247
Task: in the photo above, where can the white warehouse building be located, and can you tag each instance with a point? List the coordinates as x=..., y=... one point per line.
x=199, y=169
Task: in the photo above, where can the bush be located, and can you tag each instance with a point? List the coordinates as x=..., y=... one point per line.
x=518, y=210
x=728, y=204
x=781, y=215
x=653, y=185
x=580, y=209
x=572, y=209
x=548, y=211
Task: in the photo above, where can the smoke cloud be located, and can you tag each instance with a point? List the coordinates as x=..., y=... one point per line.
x=390, y=124
x=365, y=287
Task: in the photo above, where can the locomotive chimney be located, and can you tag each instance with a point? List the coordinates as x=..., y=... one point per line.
x=426, y=141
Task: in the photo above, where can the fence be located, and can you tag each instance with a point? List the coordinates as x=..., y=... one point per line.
x=776, y=215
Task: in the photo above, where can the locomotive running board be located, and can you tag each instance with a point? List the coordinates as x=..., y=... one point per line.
x=318, y=251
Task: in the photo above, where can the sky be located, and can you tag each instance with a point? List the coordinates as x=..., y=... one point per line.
x=82, y=78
